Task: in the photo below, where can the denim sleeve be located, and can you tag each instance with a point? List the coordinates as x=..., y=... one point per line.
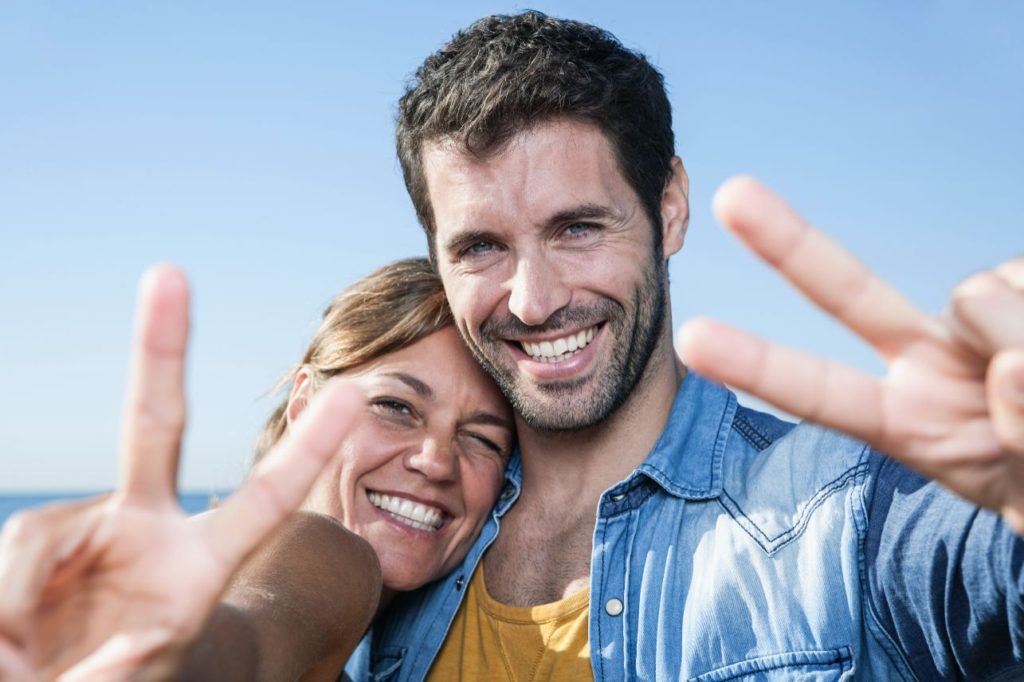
x=945, y=578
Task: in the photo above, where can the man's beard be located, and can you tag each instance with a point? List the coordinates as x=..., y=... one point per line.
x=566, y=405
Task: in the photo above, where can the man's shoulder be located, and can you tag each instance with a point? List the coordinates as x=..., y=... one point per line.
x=780, y=464
x=760, y=429
x=764, y=437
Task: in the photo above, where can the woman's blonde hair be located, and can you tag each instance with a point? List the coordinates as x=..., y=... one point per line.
x=386, y=311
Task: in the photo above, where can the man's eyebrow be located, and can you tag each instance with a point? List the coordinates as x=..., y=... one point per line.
x=584, y=212
x=421, y=389
x=461, y=240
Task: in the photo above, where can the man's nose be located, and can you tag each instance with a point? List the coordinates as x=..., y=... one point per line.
x=536, y=291
x=437, y=462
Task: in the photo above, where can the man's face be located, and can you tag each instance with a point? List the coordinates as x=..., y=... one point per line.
x=549, y=263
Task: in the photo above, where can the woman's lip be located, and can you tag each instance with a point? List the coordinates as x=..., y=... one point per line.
x=440, y=506
x=403, y=527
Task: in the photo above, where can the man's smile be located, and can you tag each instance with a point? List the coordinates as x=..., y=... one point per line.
x=560, y=348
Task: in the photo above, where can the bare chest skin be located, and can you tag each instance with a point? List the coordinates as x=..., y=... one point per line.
x=542, y=554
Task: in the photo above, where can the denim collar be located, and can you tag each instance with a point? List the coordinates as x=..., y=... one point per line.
x=687, y=459
x=513, y=484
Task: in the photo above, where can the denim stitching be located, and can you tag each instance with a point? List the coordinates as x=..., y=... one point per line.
x=842, y=657
x=751, y=433
x=787, y=536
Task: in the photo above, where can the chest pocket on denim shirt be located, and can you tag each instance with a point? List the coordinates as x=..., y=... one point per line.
x=807, y=666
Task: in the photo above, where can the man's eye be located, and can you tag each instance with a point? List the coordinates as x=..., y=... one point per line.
x=478, y=249
x=579, y=229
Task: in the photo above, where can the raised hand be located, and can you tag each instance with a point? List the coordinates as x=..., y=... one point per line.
x=119, y=586
x=951, y=404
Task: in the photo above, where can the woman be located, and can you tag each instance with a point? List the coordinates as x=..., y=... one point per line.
x=410, y=446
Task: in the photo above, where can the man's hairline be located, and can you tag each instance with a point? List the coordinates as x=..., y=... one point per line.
x=453, y=142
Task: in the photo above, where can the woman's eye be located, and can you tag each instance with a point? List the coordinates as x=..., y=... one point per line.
x=393, y=407
x=488, y=444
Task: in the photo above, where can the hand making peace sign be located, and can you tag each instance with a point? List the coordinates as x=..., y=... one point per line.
x=120, y=585
x=952, y=403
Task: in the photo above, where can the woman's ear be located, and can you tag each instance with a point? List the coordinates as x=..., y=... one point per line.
x=302, y=391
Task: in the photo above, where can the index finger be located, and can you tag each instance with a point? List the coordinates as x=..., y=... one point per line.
x=802, y=384
x=154, y=416
x=285, y=474
x=821, y=269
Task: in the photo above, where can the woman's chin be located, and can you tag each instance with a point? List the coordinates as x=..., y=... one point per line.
x=404, y=581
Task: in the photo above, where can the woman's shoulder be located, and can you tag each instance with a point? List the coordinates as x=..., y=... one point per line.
x=314, y=585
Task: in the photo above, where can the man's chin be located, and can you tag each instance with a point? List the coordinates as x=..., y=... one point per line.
x=558, y=408
x=553, y=406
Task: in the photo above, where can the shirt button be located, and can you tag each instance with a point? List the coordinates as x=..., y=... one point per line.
x=613, y=607
x=508, y=492
x=459, y=582
x=618, y=497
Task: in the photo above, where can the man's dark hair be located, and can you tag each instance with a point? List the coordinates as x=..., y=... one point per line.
x=505, y=74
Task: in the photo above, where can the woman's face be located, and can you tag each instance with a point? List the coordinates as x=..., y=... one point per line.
x=418, y=474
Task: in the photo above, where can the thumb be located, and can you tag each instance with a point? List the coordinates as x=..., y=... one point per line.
x=33, y=544
x=1006, y=397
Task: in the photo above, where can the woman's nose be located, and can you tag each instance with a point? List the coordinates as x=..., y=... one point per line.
x=435, y=461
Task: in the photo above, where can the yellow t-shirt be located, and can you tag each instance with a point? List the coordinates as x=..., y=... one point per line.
x=493, y=641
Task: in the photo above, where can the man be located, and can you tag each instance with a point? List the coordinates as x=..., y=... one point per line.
x=652, y=528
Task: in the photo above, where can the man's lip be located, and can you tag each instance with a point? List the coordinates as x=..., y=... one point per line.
x=555, y=334
x=567, y=369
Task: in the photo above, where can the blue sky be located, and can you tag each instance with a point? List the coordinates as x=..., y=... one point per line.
x=251, y=144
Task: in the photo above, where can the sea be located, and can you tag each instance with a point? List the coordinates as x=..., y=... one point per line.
x=192, y=502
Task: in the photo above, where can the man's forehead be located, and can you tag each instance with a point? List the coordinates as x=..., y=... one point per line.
x=550, y=167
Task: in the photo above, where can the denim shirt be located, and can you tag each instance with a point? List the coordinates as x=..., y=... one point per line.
x=745, y=547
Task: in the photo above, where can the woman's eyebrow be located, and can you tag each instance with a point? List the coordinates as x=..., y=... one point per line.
x=421, y=388
x=489, y=418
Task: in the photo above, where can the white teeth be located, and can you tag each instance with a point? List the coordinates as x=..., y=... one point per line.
x=558, y=349
x=410, y=513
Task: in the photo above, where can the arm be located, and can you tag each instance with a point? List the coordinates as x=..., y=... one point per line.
x=296, y=609
x=942, y=592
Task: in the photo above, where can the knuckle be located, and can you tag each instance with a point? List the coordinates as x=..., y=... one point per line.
x=163, y=418
x=21, y=526
x=267, y=498
x=978, y=285
x=972, y=295
x=1012, y=272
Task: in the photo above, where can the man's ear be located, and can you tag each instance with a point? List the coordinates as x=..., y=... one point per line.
x=302, y=391
x=675, y=208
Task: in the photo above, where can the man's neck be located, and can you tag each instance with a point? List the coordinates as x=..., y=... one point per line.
x=579, y=465
x=563, y=478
